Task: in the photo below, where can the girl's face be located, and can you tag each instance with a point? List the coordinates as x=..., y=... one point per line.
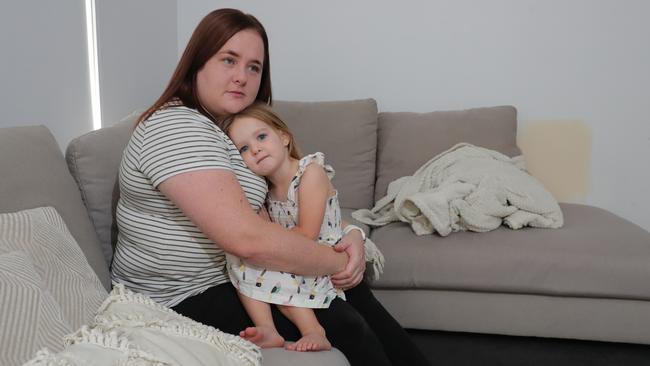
x=229, y=80
x=263, y=148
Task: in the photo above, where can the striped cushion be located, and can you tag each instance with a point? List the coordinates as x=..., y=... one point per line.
x=30, y=318
x=42, y=235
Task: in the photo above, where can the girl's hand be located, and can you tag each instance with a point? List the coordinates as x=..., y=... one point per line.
x=352, y=245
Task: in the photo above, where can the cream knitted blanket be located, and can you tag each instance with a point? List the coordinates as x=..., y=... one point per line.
x=466, y=188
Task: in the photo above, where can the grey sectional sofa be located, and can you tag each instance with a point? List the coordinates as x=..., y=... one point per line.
x=587, y=280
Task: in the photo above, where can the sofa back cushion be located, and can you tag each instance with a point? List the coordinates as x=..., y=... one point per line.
x=94, y=160
x=346, y=132
x=408, y=140
x=34, y=174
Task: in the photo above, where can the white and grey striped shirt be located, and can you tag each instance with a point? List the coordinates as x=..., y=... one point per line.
x=160, y=252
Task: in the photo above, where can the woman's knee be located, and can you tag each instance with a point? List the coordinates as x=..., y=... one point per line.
x=344, y=322
x=348, y=331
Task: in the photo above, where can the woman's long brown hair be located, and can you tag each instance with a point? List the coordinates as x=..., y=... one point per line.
x=214, y=30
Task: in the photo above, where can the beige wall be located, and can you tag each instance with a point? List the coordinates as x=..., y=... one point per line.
x=558, y=153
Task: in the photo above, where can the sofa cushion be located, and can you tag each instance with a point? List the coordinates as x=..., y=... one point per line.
x=585, y=258
x=281, y=357
x=34, y=174
x=42, y=235
x=94, y=160
x=30, y=317
x=408, y=140
x=346, y=132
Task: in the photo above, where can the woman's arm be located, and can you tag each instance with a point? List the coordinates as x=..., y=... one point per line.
x=215, y=202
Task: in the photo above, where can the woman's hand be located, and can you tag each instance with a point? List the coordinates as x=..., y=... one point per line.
x=352, y=245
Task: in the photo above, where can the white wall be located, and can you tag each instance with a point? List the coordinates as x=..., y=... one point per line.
x=137, y=53
x=44, y=65
x=44, y=68
x=577, y=60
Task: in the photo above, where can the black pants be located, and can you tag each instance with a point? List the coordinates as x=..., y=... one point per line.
x=360, y=328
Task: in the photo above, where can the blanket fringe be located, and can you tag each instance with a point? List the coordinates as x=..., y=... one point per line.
x=112, y=339
x=375, y=261
x=181, y=326
x=46, y=358
x=98, y=337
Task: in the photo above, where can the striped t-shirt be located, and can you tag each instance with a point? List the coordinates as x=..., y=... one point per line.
x=160, y=252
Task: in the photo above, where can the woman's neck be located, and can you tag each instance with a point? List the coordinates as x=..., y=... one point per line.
x=280, y=179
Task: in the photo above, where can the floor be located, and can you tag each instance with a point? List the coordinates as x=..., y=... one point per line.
x=459, y=349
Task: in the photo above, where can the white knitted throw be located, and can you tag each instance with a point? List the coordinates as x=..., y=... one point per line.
x=466, y=188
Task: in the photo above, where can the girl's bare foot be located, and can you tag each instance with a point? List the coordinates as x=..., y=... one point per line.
x=315, y=341
x=263, y=336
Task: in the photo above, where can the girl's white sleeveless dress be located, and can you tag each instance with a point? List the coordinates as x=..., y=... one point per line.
x=287, y=288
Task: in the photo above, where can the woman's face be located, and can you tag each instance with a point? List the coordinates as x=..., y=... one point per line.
x=229, y=80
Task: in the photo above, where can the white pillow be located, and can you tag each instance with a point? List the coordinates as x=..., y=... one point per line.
x=42, y=235
x=30, y=318
x=131, y=329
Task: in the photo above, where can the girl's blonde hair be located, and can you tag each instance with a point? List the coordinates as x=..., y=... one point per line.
x=262, y=112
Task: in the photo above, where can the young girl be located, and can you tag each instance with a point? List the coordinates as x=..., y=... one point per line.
x=301, y=198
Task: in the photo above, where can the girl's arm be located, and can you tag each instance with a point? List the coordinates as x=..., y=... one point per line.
x=313, y=192
x=215, y=202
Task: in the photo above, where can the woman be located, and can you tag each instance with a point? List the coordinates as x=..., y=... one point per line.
x=184, y=187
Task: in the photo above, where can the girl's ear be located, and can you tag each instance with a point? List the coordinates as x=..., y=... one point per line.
x=285, y=139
